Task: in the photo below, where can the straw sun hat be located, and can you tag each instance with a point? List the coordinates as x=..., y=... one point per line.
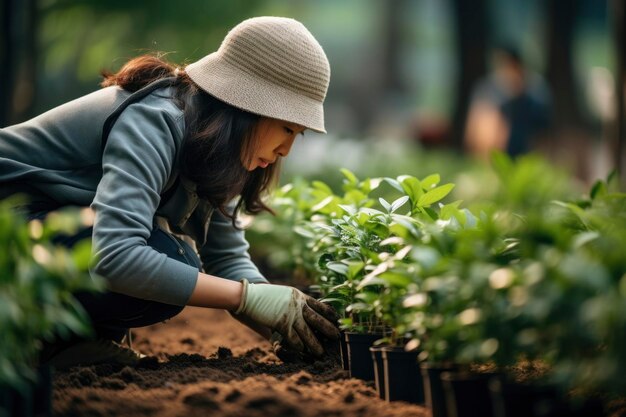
x=270, y=66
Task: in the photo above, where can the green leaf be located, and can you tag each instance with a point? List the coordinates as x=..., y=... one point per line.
x=598, y=189
x=502, y=164
x=431, y=213
x=395, y=184
x=319, y=185
x=368, y=297
x=385, y=204
x=449, y=210
x=359, y=307
x=333, y=300
x=407, y=222
x=396, y=279
x=322, y=226
x=412, y=187
x=362, y=218
x=435, y=195
x=372, y=212
x=354, y=268
x=322, y=203
x=350, y=177
x=469, y=219
x=379, y=229
x=399, y=203
x=354, y=196
x=351, y=210
x=579, y=212
x=400, y=230
x=338, y=267
x=430, y=181
x=346, y=322
x=612, y=179
x=371, y=184
x=81, y=254
x=304, y=232
x=342, y=288
x=371, y=280
x=583, y=238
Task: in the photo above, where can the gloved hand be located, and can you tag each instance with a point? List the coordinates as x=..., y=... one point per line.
x=282, y=350
x=289, y=312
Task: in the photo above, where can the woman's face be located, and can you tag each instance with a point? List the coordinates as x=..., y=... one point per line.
x=273, y=138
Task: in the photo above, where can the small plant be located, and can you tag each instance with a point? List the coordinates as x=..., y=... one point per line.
x=37, y=280
x=584, y=273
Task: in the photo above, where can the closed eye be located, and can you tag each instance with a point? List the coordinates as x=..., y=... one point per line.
x=289, y=131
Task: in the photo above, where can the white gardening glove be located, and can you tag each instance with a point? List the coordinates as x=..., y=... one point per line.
x=289, y=312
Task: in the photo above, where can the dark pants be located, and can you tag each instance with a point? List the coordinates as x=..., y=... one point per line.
x=112, y=314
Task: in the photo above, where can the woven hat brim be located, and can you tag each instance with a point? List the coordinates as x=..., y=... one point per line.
x=249, y=92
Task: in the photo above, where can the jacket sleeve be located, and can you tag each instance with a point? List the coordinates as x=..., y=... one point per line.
x=225, y=252
x=137, y=161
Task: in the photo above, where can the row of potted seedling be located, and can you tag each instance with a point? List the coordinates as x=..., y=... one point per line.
x=520, y=279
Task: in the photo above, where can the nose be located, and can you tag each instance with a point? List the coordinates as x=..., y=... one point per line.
x=285, y=147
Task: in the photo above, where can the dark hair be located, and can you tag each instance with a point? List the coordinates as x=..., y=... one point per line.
x=510, y=51
x=216, y=136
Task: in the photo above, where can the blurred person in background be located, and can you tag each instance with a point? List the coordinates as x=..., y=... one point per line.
x=508, y=109
x=166, y=157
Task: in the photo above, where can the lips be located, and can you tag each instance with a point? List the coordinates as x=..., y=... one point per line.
x=264, y=163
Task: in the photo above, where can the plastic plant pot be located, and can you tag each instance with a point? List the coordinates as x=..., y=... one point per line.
x=467, y=394
x=433, y=389
x=379, y=370
x=515, y=399
x=402, y=376
x=360, y=359
x=343, y=349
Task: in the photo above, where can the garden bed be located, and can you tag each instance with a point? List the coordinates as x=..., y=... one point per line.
x=203, y=361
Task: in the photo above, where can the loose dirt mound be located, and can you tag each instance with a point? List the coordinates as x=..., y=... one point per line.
x=203, y=362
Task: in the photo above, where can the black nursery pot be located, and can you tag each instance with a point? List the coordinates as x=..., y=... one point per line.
x=467, y=394
x=433, y=389
x=35, y=401
x=402, y=376
x=359, y=356
x=379, y=370
x=514, y=399
x=343, y=349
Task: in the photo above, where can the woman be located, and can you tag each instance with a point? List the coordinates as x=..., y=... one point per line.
x=163, y=149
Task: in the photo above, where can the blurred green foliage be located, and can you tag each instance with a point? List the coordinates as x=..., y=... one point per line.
x=37, y=280
x=88, y=34
x=79, y=39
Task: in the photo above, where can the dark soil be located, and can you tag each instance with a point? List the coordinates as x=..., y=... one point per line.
x=203, y=362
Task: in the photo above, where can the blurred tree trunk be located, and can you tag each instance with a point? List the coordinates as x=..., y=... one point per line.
x=471, y=41
x=570, y=143
x=561, y=19
x=392, y=45
x=618, y=10
x=382, y=75
x=7, y=64
x=18, y=53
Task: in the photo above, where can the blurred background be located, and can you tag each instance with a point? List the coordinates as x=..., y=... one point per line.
x=417, y=86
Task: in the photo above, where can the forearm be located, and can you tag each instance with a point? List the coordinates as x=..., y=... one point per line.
x=215, y=292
